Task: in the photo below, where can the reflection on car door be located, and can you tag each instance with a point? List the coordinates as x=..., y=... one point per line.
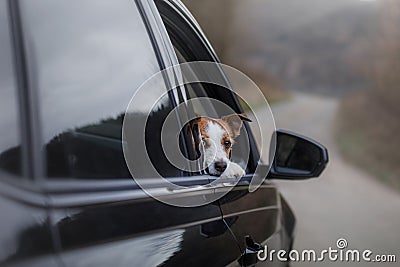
x=119, y=225
x=256, y=215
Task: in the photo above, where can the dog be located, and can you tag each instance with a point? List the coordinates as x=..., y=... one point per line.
x=217, y=138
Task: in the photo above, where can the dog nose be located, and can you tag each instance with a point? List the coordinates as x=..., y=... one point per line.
x=220, y=166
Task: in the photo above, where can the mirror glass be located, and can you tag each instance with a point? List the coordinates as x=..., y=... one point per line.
x=296, y=155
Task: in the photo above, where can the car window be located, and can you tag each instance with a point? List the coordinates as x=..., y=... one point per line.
x=206, y=107
x=91, y=57
x=10, y=144
x=189, y=47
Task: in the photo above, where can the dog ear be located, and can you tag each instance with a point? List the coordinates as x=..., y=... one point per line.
x=234, y=123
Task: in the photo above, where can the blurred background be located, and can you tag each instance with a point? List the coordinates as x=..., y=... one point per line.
x=330, y=70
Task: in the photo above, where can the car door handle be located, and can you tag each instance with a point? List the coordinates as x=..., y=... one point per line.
x=249, y=256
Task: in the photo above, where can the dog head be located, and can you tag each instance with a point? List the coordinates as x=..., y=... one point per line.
x=217, y=138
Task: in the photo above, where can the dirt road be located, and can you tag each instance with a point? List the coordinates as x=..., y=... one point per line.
x=345, y=202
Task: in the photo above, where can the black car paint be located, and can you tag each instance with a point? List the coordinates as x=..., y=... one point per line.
x=48, y=223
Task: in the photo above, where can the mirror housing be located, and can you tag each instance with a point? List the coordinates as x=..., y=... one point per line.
x=297, y=157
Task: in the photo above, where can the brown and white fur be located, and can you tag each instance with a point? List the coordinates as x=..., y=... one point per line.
x=217, y=138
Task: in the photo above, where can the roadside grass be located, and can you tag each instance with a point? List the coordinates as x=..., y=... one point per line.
x=279, y=98
x=367, y=134
x=260, y=103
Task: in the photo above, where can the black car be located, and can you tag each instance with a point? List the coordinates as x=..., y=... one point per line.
x=67, y=72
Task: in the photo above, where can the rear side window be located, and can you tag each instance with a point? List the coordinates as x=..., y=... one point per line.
x=190, y=47
x=91, y=56
x=10, y=148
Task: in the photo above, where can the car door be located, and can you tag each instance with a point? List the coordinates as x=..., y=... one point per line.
x=86, y=60
x=258, y=214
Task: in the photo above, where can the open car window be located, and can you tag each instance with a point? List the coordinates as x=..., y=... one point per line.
x=190, y=47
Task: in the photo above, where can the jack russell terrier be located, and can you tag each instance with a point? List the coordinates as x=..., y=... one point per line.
x=217, y=138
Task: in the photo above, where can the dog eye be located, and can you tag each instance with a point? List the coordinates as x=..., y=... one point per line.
x=227, y=144
x=203, y=140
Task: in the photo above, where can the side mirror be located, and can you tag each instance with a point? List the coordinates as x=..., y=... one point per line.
x=297, y=157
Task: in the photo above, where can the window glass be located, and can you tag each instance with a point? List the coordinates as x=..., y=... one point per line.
x=9, y=123
x=91, y=56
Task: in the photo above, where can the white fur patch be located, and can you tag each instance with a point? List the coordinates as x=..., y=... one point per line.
x=215, y=152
